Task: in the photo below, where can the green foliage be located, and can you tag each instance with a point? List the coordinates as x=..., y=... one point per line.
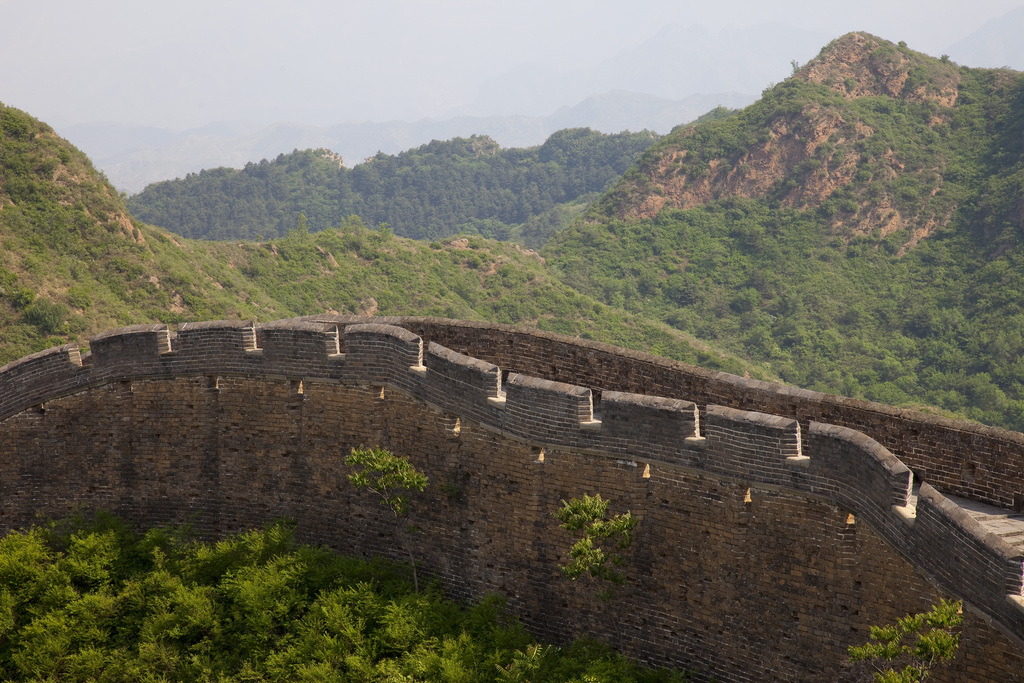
x=525, y=664
x=46, y=315
x=436, y=190
x=65, y=235
x=907, y=651
x=21, y=297
x=79, y=297
x=822, y=296
x=585, y=661
x=387, y=476
x=91, y=600
x=586, y=517
x=73, y=263
x=470, y=278
x=451, y=490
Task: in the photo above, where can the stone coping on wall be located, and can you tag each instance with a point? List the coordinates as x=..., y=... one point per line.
x=748, y=383
x=963, y=458
x=834, y=463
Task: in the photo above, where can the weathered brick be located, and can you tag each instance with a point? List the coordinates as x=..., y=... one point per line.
x=767, y=544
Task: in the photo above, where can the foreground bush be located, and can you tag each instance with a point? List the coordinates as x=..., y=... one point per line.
x=98, y=602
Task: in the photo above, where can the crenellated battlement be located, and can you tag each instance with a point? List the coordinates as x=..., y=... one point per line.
x=959, y=457
x=833, y=463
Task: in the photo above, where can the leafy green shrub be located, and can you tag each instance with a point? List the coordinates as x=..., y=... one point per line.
x=79, y=297
x=587, y=517
x=391, y=478
x=21, y=297
x=91, y=600
x=125, y=267
x=15, y=124
x=907, y=651
x=47, y=315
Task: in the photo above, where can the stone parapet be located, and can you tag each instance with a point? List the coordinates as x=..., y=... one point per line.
x=834, y=463
x=958, y=457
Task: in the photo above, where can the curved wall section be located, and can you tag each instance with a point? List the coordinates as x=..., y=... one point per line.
x=768, y=543
x=959, y=457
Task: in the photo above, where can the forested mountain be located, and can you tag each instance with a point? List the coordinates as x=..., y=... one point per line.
x=464, y=185
x=858, y=230
x=73, y=262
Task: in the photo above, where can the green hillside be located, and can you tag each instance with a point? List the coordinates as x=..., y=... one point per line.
x=858, y=231
x=74, y=263
x=437, y=190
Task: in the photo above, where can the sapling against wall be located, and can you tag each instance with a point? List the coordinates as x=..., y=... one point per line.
x=598, y=551
x=907, y=651
x=588, y=556
x=390, y=477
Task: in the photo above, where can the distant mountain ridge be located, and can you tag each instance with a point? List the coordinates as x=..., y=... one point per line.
x=674, y=63
x=463, y=185
x=996, y=44
x=132, y=157
x=672, y=77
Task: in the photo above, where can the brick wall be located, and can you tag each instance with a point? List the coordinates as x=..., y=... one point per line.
x=766, y=545
x=956, y=456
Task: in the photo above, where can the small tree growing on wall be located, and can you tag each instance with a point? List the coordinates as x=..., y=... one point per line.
x=907, y=651
x=390, y=477
x=598, y=551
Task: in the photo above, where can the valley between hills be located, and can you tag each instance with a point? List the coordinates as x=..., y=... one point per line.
x=857, y=230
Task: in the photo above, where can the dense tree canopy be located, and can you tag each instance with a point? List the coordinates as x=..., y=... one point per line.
x=97, y=602
x=464, y=185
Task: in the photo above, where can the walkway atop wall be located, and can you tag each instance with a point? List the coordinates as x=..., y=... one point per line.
x=1009, y=526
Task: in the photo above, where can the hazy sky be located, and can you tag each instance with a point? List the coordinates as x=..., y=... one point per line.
x=190, y=62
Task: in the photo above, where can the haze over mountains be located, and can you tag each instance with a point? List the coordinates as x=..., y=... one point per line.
x=135, y=156
x=995, y=44
x=672, y=77
x=198, y=85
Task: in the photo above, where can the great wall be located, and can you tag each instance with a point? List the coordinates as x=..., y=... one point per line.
x=776, y=524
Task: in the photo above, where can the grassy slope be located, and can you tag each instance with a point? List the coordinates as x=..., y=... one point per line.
x=885, y=260
x=75, y=263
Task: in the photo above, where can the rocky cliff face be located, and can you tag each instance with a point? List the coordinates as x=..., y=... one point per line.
x=790, y=141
